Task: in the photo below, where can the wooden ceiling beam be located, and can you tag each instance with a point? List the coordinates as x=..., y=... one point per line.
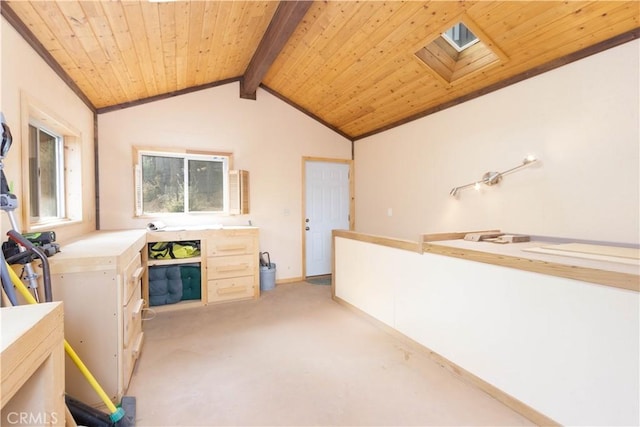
x=284, y=22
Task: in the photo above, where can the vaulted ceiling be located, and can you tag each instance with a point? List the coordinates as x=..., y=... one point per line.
x=358, y=66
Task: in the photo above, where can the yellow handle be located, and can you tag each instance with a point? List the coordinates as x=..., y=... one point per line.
x=72, y=354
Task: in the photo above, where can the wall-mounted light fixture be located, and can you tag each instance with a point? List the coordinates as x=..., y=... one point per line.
x=491, y=178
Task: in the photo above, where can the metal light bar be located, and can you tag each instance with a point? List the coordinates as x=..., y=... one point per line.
x=491, y=178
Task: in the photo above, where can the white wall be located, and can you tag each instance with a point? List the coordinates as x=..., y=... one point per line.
x=26, y=75
x=267, y=137
x=568, y=349
x=581, y=120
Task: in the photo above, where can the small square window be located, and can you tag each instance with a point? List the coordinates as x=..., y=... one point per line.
x=458, y=52
x=460, y=37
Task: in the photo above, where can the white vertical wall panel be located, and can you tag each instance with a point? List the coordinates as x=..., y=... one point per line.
x=568, y=349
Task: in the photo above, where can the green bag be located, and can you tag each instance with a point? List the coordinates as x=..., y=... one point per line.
x=174, y=250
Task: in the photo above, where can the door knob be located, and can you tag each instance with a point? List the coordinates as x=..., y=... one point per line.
x=307, y=228
x=306, y=220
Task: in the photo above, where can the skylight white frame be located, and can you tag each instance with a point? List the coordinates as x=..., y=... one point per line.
x=454, y=44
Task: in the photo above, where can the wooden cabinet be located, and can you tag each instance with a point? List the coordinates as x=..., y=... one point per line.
x=228, y=263
x=232, y=264
x=102, y=278
x=32, y=365
x=98, y=277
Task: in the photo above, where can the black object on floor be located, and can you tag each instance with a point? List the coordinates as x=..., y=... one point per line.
x=85, y=415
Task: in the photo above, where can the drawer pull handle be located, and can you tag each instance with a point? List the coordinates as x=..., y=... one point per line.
x=231, y=290
x=236, y=267
x=231, y=248
x=137, y=274
x=138, y=309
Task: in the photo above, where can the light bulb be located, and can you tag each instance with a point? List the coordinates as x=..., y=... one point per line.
x=477, y=186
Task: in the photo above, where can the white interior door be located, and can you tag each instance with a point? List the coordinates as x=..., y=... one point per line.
x=327, y=208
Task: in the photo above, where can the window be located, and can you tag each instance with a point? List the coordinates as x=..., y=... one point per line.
x=460, y=37
x=169, y=182
x=458, y=52
x=46, y=175
x=52, y=190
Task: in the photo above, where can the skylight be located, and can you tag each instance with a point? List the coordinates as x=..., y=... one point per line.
x=460, y=37
x=457, y=52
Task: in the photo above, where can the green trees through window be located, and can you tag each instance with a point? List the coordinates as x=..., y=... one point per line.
x=183, y=183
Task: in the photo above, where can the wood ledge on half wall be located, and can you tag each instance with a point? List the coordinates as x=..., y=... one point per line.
x=521, y=256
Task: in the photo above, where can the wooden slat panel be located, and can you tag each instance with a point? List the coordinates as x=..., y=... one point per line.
x=217, y=46
x=512, y=69
x=498, y=17
x=151, y=22
x=181, y=27
x=167, y=15
x=124, y=51
x=476, y=60
x=340, y=98
x=296, y=64
x=96, y=35
x=383, y=45
x=195, y=42
x=230, y=40
x=350, y=64
x=378, y=49
x=234, y=30
x=437, y=61
x=138, y=70
x=402, y=52
x=351, y=51
x=207, y=47
x=136, y=32
x=86, y=90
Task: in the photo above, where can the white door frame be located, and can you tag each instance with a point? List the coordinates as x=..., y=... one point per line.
x=352, y=215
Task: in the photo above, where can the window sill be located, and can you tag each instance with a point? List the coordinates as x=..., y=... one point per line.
x=40, y=226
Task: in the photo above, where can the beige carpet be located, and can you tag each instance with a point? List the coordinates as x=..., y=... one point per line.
x=296, y=358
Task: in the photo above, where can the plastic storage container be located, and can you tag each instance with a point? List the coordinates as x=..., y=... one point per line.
x=267, y=277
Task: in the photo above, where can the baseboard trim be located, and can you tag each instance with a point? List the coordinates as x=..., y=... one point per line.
x=523, y=409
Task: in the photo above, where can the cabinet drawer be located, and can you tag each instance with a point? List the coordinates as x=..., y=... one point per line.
x=129, y=356
x=230, y=289
x=131, y=277
x=232, y=266
x=132, y=318
x=230, y=245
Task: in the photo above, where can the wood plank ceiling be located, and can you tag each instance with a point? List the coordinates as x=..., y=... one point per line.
x=350, y=64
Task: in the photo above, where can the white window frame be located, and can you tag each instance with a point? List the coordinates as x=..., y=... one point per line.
x=454, y=44
x=59, y=175
x=71, y=203
x=225, y=158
